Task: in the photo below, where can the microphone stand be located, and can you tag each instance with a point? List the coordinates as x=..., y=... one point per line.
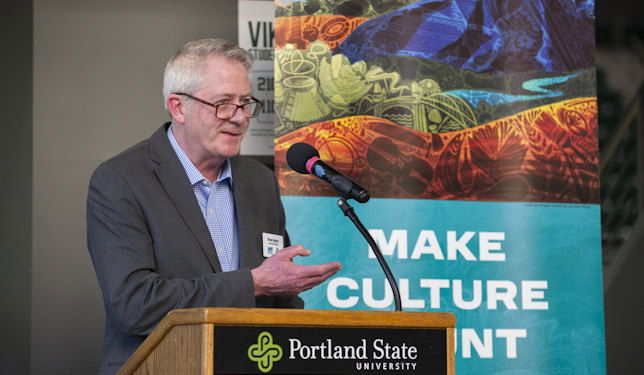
x=348, y=211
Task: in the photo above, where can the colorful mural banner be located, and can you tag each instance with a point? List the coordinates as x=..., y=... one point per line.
x=474, y=126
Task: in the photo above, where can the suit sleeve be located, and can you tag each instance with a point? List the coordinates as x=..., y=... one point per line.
x=121, y=247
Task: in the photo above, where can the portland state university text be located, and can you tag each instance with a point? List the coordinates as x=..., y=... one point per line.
x=378, y=350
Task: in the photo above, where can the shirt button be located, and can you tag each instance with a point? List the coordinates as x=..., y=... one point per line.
x=204, y=183
x=211, y=211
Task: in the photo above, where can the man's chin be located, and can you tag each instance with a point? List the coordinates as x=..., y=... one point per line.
x=229, y=151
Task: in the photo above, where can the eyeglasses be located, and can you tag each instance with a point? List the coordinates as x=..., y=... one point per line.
x=226, y=111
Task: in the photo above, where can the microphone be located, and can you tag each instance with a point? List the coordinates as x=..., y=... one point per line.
x=304, y=158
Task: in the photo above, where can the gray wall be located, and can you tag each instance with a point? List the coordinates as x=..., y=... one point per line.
x=15, y=185
x=624, y=313
x=97, y=90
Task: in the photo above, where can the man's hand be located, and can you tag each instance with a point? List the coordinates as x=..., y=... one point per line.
x=279, y=275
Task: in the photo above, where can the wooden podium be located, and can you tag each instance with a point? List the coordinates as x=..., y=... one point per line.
x=188, y=341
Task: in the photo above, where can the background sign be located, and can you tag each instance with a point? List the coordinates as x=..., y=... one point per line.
x=256, y=34
x=474, y=126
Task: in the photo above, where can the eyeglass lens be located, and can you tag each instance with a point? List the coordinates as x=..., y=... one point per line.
x=226, y=111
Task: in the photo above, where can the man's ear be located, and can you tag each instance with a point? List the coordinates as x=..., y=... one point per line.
x=176, y=108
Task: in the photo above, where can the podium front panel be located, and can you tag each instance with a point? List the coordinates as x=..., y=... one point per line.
x=328, y=350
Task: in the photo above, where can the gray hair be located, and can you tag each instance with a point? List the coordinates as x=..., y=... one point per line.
x=183, y=72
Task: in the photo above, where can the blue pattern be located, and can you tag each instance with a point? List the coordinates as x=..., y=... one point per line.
x=474, y=97
x=217, y=204
x=483, y=36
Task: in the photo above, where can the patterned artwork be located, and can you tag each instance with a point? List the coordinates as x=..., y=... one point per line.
x=519, y=158
x=454, y=99
x=303, y=30
x=483, y=36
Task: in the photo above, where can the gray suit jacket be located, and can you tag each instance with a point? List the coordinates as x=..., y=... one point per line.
x=152, y=249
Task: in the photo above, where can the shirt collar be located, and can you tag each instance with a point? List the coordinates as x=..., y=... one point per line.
x=194, y=176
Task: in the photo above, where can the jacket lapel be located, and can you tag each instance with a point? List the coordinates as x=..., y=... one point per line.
x=250, y=248
x=173, y=178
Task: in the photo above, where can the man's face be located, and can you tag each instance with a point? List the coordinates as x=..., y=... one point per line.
x=207, y=138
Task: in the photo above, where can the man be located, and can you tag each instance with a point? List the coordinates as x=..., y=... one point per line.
x=181, y=221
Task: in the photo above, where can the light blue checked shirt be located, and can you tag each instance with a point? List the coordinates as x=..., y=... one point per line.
x=217, y=205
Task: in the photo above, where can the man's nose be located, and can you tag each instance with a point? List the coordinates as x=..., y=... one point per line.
x=239, y=117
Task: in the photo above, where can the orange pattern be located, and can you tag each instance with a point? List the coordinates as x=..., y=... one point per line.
x=303, y=30
x=544, y=154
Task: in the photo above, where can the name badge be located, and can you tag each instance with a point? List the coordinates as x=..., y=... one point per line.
x=272, y=243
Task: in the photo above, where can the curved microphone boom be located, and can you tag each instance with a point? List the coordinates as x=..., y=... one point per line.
x=304, y=158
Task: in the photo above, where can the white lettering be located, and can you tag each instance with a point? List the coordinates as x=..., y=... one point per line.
x=511, y=336
x=435, y=286
x=470, y=339
x=427, y=243
x=476, y=297
x=455, y=245
x=486, y=246
x=332, y=292
x=489, y=245
x=379, y=352
x=494, y=294
x=383, y=350
x=485, y=348
x=369, y=299
x=398, y=240
x=294, y=348
x=529, y=294
x=362, y=350
x=404, y=297
x=344, y=292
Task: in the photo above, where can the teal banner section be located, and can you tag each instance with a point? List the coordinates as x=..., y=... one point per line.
x=523, y=278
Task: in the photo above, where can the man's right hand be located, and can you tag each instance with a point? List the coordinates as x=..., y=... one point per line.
x=278, y=275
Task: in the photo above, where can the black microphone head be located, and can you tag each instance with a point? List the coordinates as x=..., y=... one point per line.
x=298, y=154
x=362, y=196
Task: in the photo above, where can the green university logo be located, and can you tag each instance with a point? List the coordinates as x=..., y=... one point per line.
x=265, y=353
